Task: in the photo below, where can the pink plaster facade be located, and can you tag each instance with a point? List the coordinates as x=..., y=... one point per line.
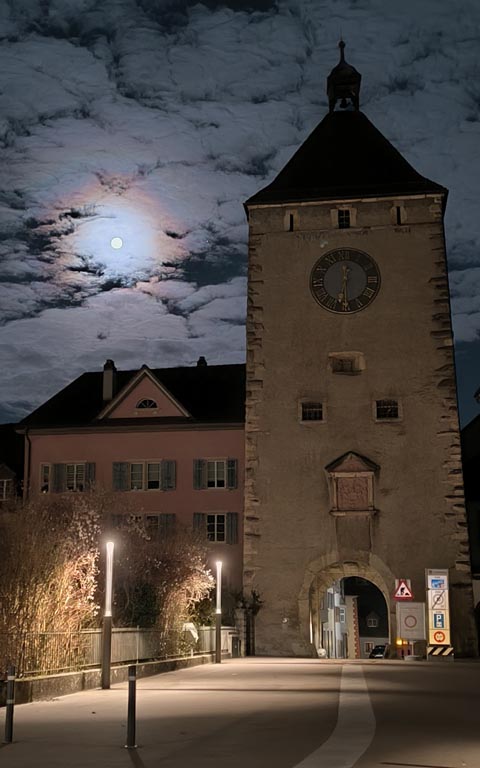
x=105, y=445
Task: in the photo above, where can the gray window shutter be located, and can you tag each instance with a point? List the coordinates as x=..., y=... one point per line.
x=168, y=475
x=59, y=483
x=120, y=475
x=199, y=474
x=232, y=528
x=89, y=475
x=167, y=523
x=200, y=522
x=232, y=473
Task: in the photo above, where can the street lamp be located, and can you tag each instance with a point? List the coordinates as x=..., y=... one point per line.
x=107, y=619
x=218, y=615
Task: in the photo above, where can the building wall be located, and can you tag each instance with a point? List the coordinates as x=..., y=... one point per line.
x=405, y=337
x=104, y=447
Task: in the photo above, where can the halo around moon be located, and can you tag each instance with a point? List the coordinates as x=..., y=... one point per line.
x=116, y=243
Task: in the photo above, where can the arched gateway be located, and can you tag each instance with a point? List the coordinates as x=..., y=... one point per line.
x=353, y=459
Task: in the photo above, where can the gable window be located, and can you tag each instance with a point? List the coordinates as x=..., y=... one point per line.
x=386, y=409
x=215, y=473
x=372, y=623
x=6, y=489
x=74, y=476
x=344, y=219
x=217, y=526
x=146, y=403
x=144, y=475
x=312, y=411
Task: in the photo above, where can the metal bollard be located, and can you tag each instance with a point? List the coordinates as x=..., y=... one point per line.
x=10, y=705
x=132, y=692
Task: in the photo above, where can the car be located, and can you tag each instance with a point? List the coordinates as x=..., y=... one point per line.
x=378, y=652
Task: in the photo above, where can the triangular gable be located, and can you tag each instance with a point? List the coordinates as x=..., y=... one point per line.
x=143, y=386
x=351, y=462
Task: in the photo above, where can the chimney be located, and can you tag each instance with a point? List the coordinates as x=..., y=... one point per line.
x=201, y=362
x=109, y=380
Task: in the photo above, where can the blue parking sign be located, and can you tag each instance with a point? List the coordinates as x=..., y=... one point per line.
x=439, y=620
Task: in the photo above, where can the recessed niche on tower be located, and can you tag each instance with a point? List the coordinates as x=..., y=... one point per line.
x=348, y=363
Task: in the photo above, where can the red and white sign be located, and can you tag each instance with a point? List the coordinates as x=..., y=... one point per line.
x=439, y=636
x=410, y=620
x=403, y=590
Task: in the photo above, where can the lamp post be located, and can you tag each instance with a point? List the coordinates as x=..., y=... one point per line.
x=218, y=615
x=107, y=619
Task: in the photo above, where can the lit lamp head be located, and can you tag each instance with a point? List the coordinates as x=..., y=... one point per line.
x=109, y=579
x=219, y=586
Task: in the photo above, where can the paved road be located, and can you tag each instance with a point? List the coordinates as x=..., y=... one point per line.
x=257, y=713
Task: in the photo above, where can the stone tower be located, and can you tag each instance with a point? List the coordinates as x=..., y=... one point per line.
x=353, y=460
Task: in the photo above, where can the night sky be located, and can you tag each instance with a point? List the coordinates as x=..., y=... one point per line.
x=153, y=120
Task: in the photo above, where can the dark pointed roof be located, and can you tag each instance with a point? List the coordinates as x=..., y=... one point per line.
x=210, y=393
x=344, y=157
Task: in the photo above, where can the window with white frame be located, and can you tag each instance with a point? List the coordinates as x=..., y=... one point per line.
x=144, y=475
x=6, y=489
x=342, y=615
x=75, y=477
x=216, y=527
x=215, y=473
x=372, y=622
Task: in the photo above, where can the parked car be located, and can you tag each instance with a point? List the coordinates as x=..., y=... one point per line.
x=379, y=652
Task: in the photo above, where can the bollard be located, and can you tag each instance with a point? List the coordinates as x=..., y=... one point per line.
x=10, y=705
x=132, y=691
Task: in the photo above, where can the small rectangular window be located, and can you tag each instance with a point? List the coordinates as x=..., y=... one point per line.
x=372, y=623
x=312, y=412
x=216, y=527
x=343, y=615
x=367, y=647
x=387, y=409
x=343, y=219
x=399, y=214
x=343, y=365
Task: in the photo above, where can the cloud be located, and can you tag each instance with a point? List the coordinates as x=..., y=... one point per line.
x=153, y=120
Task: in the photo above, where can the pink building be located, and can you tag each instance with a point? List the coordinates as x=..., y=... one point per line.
x=171, y=439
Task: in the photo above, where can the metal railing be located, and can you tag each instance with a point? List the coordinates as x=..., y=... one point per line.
x=48, y=653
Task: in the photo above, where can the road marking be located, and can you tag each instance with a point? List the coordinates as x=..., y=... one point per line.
x=355, y=727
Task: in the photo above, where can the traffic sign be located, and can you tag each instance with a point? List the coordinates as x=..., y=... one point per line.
x=439, y=636
x=439, y=620
x=403, y=590
x=411, y=621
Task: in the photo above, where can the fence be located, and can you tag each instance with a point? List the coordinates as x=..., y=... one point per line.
x=47, y=653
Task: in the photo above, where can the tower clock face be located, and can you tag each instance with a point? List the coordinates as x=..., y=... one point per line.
x=345, y=280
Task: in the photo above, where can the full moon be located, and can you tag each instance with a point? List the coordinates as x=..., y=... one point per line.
x=116, y=242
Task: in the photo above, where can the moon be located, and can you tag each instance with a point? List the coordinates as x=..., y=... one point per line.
x=116, y=243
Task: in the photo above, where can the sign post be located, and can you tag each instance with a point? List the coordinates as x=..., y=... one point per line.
x=438, y=614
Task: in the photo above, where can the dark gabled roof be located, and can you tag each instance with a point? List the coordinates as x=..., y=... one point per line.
x=212, y=393
x=344, y=157
x=11, y=448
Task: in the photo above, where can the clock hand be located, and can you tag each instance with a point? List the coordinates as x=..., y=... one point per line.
x=343, y=294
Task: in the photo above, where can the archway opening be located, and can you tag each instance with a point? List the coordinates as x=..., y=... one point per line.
x=349, y=619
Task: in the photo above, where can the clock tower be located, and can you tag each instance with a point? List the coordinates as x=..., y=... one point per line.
x=353, y=463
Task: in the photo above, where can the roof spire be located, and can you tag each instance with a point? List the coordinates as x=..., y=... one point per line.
x=343, y=84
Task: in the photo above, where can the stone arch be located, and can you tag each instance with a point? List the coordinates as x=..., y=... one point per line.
x=323, y=571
